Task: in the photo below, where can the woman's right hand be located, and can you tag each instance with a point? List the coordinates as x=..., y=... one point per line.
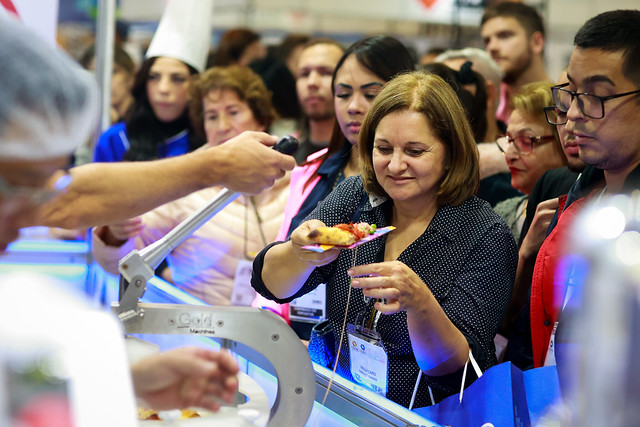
x=299, y=239
x=118, y=233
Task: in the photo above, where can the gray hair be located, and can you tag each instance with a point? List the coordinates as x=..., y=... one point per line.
x=481, y=60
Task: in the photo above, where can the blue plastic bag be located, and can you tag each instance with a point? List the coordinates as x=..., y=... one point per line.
x=503, y=396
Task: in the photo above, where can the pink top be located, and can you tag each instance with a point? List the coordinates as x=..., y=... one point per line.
x=504, y=111
x=298, y=193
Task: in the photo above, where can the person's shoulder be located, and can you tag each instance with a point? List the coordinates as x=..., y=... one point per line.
x=470, y=220
x=480, y=222
x=476, y=210
x=352, y=182
x=115, y=129
x=555, y=182
x=112, y=144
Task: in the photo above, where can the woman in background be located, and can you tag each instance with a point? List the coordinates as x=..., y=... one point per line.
x=124, y=71
x=531, y=147
x=159, y=125
x=225, y=101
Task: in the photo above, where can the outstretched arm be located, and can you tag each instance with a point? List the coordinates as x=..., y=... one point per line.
x=103, y=193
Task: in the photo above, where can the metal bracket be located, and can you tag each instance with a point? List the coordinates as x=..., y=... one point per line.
x=259, y=329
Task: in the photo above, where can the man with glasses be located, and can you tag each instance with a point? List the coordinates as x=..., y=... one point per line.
x=602, y=108
x=541, y=212
x=555, y=182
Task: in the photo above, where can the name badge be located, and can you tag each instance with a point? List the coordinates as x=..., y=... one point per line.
x=369, y=361
x=243, y=293
x=550, y=358
x=310, y=307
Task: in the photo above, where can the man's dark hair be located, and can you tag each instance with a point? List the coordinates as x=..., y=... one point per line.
x=526, y=15
x=615, y=31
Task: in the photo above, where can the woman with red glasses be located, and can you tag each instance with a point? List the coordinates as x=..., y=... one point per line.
x=531, y=147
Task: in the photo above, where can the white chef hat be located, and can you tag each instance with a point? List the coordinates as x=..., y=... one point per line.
x=49, y=104
x=184, y=32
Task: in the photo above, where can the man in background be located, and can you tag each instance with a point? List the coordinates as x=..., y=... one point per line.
x=316, y=63
x=514, y=36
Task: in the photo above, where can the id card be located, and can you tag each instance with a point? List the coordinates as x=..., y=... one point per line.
x=243, y=293
x=309, y=307
x=369, y=361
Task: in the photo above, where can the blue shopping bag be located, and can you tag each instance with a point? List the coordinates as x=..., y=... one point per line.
x=542, y=388
x=503, y=396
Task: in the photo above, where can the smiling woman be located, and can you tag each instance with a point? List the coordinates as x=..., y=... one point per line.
x=434, y=288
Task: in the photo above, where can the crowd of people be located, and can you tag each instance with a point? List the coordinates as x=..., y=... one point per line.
x=479, y=161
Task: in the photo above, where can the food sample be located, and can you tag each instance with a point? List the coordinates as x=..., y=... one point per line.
x=150, y=414
x=341, y=234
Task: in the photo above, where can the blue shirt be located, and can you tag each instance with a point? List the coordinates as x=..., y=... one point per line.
x=114, y=143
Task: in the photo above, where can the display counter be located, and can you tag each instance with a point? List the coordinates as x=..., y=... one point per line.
x=346, y=403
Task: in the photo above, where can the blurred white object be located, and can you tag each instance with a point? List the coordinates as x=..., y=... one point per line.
x=42, y=114
x=39, y=15
x=602, y=336
x=184, y=32
x=43, y=324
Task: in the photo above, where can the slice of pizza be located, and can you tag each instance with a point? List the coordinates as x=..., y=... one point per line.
x=341, y=234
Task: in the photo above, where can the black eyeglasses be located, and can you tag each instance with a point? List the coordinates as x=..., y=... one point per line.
x=555, y=116
x=590, y=105
x=523, y=144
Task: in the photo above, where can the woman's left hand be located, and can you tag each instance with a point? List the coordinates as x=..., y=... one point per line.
x=393, y=281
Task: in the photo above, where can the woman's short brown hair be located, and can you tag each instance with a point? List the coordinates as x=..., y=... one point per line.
x=530, y=102
x=430, y=96
x=245, y=83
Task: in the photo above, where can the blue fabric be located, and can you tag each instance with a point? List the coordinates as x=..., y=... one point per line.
x=331, y=174
x=542, y=388
x=503, y=396
x=114, y=143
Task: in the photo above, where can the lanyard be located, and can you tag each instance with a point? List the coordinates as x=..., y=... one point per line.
x=252, y=200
